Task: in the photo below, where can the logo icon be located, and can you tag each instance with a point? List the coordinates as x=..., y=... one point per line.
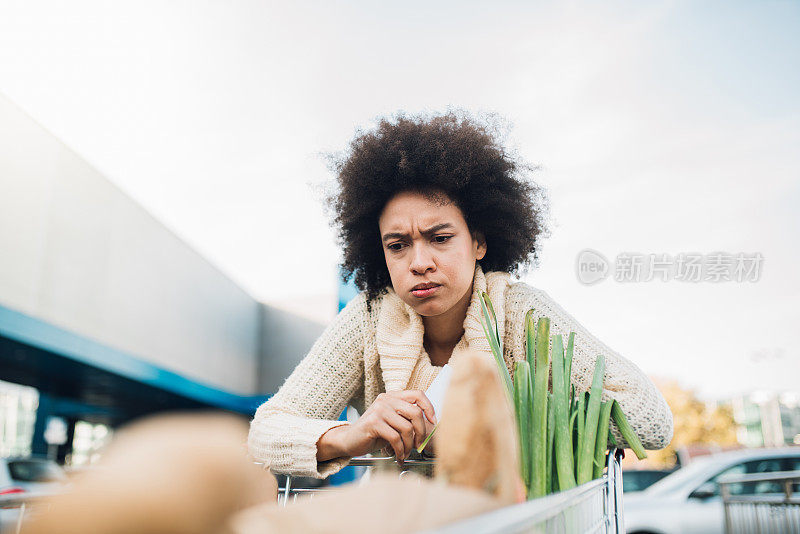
x=591, y=267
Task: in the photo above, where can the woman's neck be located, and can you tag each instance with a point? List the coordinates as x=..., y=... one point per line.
x=443, y=332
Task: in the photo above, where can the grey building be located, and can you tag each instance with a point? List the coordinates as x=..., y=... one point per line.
x=109, y=315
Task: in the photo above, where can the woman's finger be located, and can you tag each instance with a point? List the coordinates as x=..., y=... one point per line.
x=392, y=437
x=419, y=398
x=406, y=430
x=413, y=413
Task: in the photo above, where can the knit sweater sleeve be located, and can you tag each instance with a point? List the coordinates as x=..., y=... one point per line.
x=285, y=430
x=643, y=404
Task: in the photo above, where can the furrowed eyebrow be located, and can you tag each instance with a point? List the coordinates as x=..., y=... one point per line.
x=432, y=229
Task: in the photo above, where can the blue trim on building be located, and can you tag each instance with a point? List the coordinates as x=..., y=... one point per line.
x=40, y=334
x=347, y=291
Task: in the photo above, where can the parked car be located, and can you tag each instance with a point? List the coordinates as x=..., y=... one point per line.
x=688, y=501
x=27, y=476
x=634, y=480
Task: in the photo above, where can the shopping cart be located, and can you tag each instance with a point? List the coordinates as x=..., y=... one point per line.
x=761, y=502
x=288, y=493
x=18, y=506
x=593, y=507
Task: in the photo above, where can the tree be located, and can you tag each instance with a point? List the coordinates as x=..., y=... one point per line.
x=695, y=423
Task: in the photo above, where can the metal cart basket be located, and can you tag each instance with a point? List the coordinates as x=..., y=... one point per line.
x=593, y=507
x=761, y=502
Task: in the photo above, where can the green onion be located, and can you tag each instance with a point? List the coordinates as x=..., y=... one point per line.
x=602, y=438
x=627, y=431
x=541, y=379
x=568, y=362
x=522, y=405
x=586, y=451
x=563, y=438
x=495, y=343
x=530, y=357
x=551, y=434
x=563, y=434
x=421, y=447
x=494, y=322
x=580, y=428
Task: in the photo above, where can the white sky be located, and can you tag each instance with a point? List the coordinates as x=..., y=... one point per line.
x=661, y=129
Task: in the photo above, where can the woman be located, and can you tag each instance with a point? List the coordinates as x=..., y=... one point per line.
x=430, y=212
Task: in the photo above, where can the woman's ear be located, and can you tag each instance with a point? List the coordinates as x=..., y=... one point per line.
x=480, y=240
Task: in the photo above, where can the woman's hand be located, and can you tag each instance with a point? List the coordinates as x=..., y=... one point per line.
x=398, y=419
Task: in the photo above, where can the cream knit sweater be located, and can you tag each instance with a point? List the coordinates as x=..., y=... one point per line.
x=360, y=355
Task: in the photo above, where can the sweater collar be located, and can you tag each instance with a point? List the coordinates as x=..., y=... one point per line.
x=400, y=330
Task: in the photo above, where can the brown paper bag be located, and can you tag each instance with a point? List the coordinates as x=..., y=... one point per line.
x=476, y=441
x=167, y=474
x=386, y=504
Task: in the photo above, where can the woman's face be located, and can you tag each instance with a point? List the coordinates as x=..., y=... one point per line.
x=424, y=242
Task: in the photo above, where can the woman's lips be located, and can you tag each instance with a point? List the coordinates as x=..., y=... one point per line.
x=425, y=292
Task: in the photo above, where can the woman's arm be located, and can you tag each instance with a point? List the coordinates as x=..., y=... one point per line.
x=643, y=404
x=286, y=429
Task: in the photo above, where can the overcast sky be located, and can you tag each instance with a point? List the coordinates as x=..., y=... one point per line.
x=660, y=128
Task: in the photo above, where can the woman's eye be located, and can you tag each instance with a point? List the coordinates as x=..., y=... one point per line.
x=396, y=247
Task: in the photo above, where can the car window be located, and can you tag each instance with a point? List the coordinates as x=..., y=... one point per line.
x=793, y=464
x=767, y=465
x=638, y=480
x=35, y=471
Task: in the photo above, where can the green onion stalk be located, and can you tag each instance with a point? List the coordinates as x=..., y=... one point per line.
x=586, y=451
x=601, y=445
x=627, y=431
x=563, y=434
x=538, y=486
x=495, y=342
x=522, y=404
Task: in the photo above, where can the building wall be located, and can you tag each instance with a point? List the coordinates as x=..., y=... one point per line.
x=78, y=253
x=768, y=419
x=285, y=340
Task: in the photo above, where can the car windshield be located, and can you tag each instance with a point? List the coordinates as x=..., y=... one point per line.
x=33, y=470
x=682, y=476
x=634, y=480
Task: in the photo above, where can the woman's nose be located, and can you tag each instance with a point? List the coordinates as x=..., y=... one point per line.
x=421, y=259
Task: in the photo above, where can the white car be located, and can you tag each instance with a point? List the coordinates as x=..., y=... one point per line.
x=688, y=501
x=26, y=476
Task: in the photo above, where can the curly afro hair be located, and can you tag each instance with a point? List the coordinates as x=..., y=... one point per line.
x=450, y=153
